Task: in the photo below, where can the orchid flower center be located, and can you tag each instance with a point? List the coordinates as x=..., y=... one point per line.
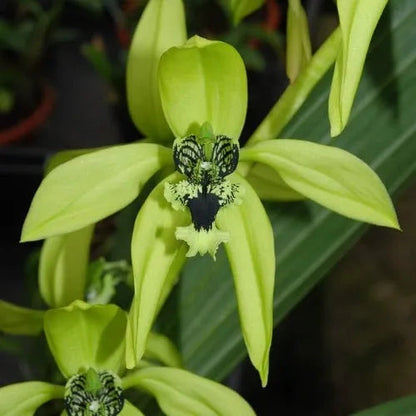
x=205, y=162
x=94, y=393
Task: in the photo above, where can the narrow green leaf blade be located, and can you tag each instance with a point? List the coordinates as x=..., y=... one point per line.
x=82, y=336
x=161, y=26
x=17, y=320
x=63, y=267
x=203, y=81
x=251, y=255
x=157, y=258
x=180, y=392
x=330, y=176
x=298, y=42
x=296, y=93
x=406, y=406
x=23, y=399
x=91, y=187
x=358, y=20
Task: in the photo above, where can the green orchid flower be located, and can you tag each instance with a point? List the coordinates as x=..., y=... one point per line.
x=87, y=343
x=211, y=199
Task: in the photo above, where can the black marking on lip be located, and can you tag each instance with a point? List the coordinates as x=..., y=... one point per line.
x=204, y=209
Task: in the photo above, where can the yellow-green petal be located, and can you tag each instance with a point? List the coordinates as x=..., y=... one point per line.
x=91, y=187
x=63, y=267
x=251, y=255
x=358, y=20
x=157, y=256
x=203, y=81
x=298, y=42
x=81, y=336
x=130, y=410
x=161, y=348
x=181, y=393
x=330, y=176
x=17, y=320
x=269, y=186
x=22, y=399
x=161, y=26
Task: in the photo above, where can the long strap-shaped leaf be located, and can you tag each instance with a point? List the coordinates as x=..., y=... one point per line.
x=309, y=239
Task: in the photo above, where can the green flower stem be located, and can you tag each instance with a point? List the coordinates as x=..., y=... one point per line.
x=297, y=92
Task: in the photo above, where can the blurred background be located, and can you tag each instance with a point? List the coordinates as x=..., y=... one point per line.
x=349, y=345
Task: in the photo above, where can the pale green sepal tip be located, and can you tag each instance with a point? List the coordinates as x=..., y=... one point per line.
x=202, y=241
x=358, y=20
x=22, y=399
x=298, y=49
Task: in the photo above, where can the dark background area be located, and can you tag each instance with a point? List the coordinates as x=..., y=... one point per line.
x=349, y=345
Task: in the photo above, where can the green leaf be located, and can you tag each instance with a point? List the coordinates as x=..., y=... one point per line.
x=82, y=336
x=180, y=392
x=130, y=410
x=250, y=252
x=161, y=348
x=298, y=43
x=161, y=26
x=20, y=321
x=203, y=81
x=91, y=187
x=296, y=93
x=63, y=267
x=241, y=8
x=309, y=239
x=157, y=258
x=269, y=185
x=358, y=20
x=330, y=176
x=406, y=406
x=23, y=399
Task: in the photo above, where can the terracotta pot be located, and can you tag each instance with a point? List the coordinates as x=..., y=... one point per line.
x=33, y=122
